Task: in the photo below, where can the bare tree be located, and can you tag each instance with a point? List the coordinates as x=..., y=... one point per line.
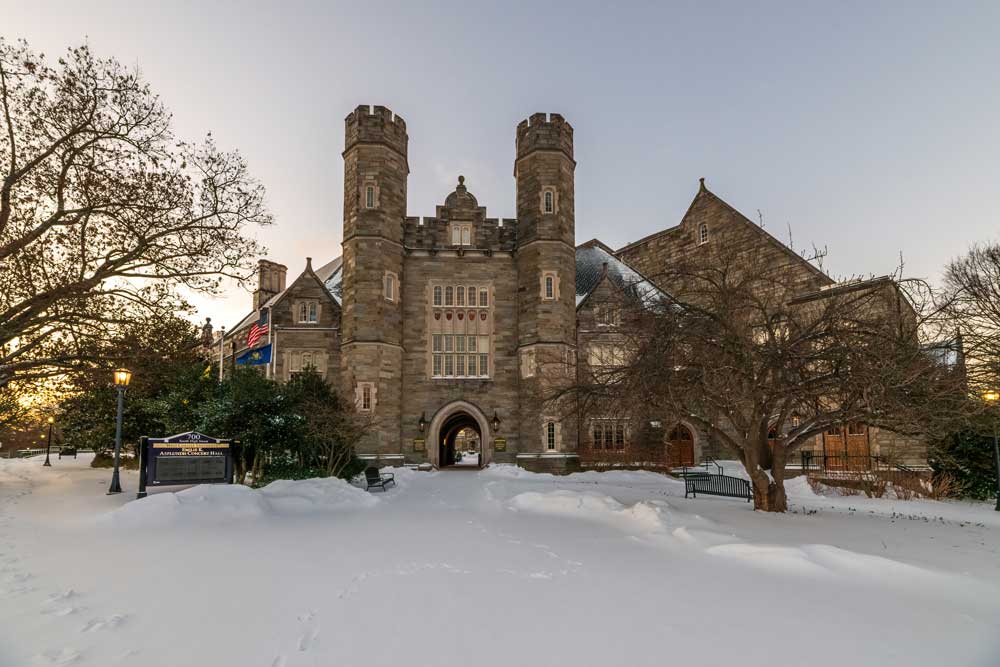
x=763, y=362
x=972, y=302
x=104, y=213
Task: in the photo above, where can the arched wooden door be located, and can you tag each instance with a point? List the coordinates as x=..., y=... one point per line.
x=680, y=447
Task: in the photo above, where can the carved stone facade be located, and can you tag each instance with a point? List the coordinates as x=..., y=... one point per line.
x=438, y=324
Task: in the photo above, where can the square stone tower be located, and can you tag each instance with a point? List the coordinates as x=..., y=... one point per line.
x=375, y=175
x=546, y=278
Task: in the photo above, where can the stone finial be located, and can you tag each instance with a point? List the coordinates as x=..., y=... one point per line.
x=701, y=184
x=206, y=332
x=604, y=269
x=309, y=263
x=461, y=180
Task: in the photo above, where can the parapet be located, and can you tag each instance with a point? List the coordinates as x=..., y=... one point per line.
x=544, y=132
x=381, y=126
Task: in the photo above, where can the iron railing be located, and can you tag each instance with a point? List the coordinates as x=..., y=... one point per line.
x=822, y=462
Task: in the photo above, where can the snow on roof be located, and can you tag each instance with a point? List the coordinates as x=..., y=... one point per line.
x=590, y=260
x=332, y=275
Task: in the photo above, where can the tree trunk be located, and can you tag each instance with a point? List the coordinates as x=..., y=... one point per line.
x=258, y=466
x=768, y=493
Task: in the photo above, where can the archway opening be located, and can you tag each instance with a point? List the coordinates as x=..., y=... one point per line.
x=460, y=442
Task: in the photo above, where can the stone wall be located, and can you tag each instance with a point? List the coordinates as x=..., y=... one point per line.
x=425, y=395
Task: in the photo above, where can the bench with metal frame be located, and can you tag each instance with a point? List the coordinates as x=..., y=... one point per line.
x=717, y=485
x=68, y=451
x=377, y=480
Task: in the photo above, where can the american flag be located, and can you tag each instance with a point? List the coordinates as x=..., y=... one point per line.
x=258, y=330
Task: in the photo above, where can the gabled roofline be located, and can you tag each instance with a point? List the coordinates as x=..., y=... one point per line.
x=703, y=191
x=597, y=243
x=277, y=298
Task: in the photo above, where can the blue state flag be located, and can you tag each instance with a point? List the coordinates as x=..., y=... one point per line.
x=261, y=355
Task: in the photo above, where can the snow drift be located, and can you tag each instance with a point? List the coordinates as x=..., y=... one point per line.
x=642, y=517
x=208, y=504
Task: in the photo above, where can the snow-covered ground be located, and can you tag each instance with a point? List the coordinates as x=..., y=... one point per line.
x=499, y=567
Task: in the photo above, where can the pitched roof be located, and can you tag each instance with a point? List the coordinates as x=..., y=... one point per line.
x=330, y=274
x=592, y=256
x=703, y=191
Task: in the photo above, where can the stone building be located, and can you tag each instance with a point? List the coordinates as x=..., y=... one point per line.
x=458, y=321
x=438, y=324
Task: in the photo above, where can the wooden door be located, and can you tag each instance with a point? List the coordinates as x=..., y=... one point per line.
x=857, y=447
x=835, y=449
x=680, y=447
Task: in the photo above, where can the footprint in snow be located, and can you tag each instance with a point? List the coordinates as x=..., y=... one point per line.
x=58, y=656
x=61, y=611
x=109, y=623
x=20, y=590
x=307, y=640
x=279, y=661
x=64, y=595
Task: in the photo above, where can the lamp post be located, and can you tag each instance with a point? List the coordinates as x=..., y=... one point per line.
x=991, y=397
x=122, y=378
x=48, y=445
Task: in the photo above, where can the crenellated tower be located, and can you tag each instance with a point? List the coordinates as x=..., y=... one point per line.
x=546, y=266
x=375, y=175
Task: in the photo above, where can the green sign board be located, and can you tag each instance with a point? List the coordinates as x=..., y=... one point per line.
x=500, y=444
x=419, y=444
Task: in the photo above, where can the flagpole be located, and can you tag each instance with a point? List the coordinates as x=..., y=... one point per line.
x=270, y=325
x=222, y=350
x=273, y=365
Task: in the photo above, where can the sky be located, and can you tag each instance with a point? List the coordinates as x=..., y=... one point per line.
x=867, y=129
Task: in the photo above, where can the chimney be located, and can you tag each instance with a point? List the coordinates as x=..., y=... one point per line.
x=270, y=281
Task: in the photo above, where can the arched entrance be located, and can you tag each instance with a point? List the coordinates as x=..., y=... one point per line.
x=458, y=428
x=680, y=446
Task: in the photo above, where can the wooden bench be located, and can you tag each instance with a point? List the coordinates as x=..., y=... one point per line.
x=376, y=480
x=68, y=451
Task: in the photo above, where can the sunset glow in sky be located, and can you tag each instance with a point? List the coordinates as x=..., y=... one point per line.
x=868, y=128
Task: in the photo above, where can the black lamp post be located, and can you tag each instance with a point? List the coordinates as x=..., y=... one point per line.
x=992, y=396
x=122, y=378
x=48, y=445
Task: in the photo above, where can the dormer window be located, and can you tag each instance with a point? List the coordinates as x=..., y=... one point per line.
x=702, y=234
x=308, y=312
